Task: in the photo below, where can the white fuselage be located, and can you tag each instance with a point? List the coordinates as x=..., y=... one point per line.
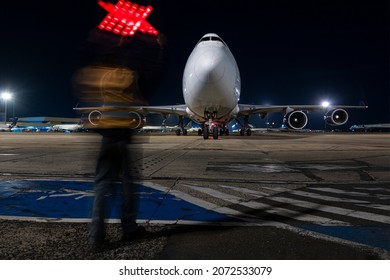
x=211, y=82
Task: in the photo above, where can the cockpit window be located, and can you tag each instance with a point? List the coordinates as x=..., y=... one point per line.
x=212, y=38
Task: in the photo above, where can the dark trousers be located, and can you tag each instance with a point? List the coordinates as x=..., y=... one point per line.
x=113, y=160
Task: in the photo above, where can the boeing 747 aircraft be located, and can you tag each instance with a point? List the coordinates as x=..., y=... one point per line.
x=211, y=91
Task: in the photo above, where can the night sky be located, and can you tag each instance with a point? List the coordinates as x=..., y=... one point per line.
x=288, y=52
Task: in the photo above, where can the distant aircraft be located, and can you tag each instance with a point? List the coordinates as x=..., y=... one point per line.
x=5, y=127
x=380, y=127
x=167, y=128
x=211, y=91
x=158, y=128
x=67, y=127
x=8, y=126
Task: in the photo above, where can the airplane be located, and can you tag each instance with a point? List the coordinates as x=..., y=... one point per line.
x=211, y=91
x=166, y=128
x=380, y=127
x=5, y=127
x=8, y=126
x=67, y=127
x=158, y=128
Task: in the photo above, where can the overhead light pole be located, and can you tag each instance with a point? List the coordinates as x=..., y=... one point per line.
x=6, y=96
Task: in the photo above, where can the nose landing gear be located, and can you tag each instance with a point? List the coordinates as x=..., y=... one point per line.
x=215, y=131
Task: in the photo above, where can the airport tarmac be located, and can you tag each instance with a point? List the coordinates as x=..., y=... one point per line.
x=268, y=196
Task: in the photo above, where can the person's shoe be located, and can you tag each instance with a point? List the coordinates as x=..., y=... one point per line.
x=138, y=233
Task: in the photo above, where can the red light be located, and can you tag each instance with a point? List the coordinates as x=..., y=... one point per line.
x=126, y=18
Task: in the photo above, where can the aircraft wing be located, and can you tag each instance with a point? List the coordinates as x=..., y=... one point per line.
x=179, y=110
x=249, y=109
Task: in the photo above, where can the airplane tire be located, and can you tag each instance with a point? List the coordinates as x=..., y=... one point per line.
x=205, y=132
x=215, y=133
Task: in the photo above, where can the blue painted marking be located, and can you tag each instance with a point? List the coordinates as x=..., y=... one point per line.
x=73, y=199
x=371, y=236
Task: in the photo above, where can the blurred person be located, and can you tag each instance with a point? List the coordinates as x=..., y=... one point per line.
x=113, y=68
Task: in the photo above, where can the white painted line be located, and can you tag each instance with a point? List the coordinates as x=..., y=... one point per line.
x=181, y=195
x=360, y=194
x=250, y=219
x=268, y=208
x=276, y=189
x=246, y=191
x=45, y=220
x=326, y=198
x=376, y=206
x=294, y=214
x=373, y=189
x=334, y=210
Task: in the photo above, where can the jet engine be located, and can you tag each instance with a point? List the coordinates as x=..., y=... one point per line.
x=336, y=117
x=132, y=120
x=295, y=120
x=94, y=117
x=136, y=120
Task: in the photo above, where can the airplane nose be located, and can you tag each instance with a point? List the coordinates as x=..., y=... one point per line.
x=210, y=67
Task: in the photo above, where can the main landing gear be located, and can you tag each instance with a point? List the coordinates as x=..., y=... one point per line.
x=181, y=129
x=245, y=130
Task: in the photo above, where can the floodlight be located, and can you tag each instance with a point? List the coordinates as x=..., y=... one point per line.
x=325, y=104
x=6, y=95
